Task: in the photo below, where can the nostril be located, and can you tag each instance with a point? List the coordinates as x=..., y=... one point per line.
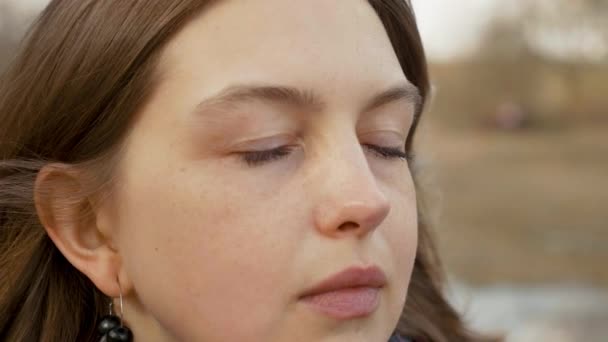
x=346, y=226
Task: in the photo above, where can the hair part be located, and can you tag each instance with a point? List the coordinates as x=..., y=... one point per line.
x=85, y=69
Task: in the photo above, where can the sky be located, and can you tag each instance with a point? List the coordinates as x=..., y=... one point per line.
x=451, y=28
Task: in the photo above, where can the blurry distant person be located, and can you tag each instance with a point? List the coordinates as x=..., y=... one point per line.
x=510, y=115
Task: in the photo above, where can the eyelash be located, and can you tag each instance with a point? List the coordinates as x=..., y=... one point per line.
x=256, y=158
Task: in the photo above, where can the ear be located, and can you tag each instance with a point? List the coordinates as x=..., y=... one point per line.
x=78, y=226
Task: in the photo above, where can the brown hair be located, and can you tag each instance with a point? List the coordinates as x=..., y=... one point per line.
x=85, y=68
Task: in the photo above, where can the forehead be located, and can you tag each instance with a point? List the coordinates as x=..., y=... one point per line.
x=314, y=44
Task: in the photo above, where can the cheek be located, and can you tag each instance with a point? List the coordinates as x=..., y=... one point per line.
x=404, y=247
x=403, y=231
x=192, y=241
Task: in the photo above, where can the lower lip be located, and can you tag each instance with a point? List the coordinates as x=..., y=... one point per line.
x=345, y=303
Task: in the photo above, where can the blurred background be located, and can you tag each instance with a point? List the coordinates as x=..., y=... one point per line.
x=517, y=137
x=517, y=133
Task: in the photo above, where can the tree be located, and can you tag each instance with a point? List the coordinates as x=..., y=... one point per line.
x=546, y=53
x=568, y=30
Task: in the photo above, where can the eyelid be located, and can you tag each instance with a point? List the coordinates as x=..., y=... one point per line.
x=265, y=143
x=384, y=137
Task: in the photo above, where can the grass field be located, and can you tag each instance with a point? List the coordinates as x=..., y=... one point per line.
x=523, y=228
x=525, y=207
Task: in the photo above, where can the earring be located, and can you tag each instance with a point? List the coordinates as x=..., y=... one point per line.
x=111, y=327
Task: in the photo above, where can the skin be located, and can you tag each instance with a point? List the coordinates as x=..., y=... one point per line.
x=209, y=248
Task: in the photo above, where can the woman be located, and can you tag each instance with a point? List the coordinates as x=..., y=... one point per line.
x=218, y=171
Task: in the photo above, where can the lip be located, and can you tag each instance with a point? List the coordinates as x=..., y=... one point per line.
x=351, y=293
x=371, y=276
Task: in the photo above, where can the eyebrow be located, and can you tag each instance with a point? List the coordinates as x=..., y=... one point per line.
x=305, y=98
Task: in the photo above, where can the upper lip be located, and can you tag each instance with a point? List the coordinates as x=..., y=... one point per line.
x=371, y=276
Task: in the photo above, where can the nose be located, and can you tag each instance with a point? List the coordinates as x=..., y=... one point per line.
x=350, y=201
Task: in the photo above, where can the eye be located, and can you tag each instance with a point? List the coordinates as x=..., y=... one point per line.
x=388, y=152
x=257, y=158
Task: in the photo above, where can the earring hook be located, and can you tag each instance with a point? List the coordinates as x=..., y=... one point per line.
x=120, y=301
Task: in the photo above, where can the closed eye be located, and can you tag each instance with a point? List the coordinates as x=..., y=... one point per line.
x=258, y=158
x=388, y=152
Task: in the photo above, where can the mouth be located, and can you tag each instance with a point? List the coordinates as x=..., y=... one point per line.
x=351, y=293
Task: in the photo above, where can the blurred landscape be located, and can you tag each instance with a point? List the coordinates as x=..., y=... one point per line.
x=517, y=137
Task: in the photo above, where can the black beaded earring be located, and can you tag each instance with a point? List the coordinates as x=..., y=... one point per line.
x=111, y=327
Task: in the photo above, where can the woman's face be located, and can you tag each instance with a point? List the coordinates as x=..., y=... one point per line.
x=254, y=172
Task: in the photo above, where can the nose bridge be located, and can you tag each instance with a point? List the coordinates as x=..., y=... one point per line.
x=349, y=200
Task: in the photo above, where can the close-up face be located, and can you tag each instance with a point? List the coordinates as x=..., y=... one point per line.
x=269, y=158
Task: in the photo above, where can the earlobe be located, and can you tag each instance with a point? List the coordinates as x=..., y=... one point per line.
x=66, y=212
